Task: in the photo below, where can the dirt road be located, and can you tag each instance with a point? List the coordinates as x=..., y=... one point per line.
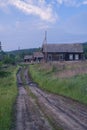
x=69, y=114
x=61, y=111
x=28, y=115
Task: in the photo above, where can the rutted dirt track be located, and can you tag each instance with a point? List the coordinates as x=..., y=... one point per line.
x=64, y=112
x=28, y=115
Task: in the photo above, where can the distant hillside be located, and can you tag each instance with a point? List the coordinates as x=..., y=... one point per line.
x=18, y=55
x=23, y=51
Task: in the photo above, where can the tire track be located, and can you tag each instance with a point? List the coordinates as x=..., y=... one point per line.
x=69, y=114
x=28, y=114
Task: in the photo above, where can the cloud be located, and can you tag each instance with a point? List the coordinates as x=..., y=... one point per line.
x=74, y=3
x=3, y=3
x=67, y=2
x=38, y=8
x=84, y=2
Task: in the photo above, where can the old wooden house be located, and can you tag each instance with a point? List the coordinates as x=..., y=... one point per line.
x=28, y=58
x=62, y=52
x=38, y=56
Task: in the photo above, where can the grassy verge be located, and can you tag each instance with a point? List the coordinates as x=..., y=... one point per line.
x=74, y=87
x=8, y=93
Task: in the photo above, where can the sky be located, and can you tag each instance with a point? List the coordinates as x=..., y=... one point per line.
x=23, y=22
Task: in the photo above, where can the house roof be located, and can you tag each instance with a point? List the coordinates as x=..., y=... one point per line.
x=62, y=48
x=38, y=55
x=28, y=57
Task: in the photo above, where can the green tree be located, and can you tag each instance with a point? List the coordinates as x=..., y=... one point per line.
x=1, y=64
x=9, y=59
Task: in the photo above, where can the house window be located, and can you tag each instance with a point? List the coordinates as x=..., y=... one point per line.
x=50, y=57
x=76, y=57
x=71, y=56
x=61, y=57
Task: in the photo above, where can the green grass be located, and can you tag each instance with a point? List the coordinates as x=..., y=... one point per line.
x=8, y=93
x=74, y=87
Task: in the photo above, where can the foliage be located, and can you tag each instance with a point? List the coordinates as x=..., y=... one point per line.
x=9, y=59
x=1, y=64
x=17, y=56
x=23, y=52
x=8, y=93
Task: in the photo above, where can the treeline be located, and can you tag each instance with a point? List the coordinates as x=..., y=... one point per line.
x=6, y=59
x=14, y=57
x=23, y=52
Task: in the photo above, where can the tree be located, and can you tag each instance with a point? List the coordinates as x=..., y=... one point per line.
x=9, y=59
x=1, y=64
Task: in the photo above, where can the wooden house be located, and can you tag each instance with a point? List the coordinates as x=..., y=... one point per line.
x=62, y=52
x=28, y=58
x=38, y=56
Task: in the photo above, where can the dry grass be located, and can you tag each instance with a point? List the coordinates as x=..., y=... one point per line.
x=65, y=78
x=65, y=69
